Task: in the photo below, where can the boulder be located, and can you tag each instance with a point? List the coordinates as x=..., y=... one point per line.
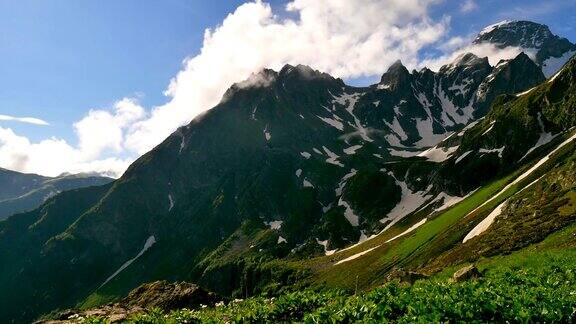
x=466, y=273
x=405, y=276
x=169, y=296
x=162, y=294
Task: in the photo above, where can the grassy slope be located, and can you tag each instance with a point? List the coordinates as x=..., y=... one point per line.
x=442, y=232
x=537, y=283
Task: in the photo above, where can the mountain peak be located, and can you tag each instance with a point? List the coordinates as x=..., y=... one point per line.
x=302, y=71
x=466, y=60
x=397, y=73
x=550, y=51
x=520, y=33
x=263, y=78
x=397, y=67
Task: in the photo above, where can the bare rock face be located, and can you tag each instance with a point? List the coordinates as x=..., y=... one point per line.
x=466, y=273
x=159, y=294
x=405, y=276
x=168, y=296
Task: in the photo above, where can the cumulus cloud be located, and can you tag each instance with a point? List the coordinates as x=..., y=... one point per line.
x=90, y=130
x=468, y=6
x=28, y=120
x=492, y=52
x=345, y=38
x=100, y=133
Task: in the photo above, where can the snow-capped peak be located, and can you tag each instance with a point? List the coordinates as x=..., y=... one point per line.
x=490, y=28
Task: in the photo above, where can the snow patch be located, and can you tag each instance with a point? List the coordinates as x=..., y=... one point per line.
x=253, y=115
x=147, y=245
x=352, y=149
x=472, y=124
x=281, y=240
x=396, y=108
x=498, y=150
x=397, y=128
x=404, y=154
x=306, y=155
x=490, y=28
x=355, y=256
x=544, y=138
x=349, y=101
x=525, y=92
x=352, y=218
x=343, y=181
x=307, y=184
x=298, y=173
x=267, y=134
x=485, y=223
x=489, y=128
x=438, y=154
x=409, y=202
x=349, y=212
x=427, y=136
x=171, y=201
x=449, y=200
x=332, y=157
x=275, y=225
x=332, y=122
x=182, y=141
x=461, y=157
x=412, y=228
x=449, y=108
x=325, y=245
x=460, y=89
x=326, y=208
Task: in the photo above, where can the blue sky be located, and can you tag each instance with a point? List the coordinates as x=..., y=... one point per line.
x=61, y=58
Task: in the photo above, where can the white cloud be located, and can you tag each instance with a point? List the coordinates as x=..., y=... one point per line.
x=493, y=53
x=29, y=120
x=341, y=37
x=102, y=129
x=468, y=6
x=99, y=132
x=344, y=38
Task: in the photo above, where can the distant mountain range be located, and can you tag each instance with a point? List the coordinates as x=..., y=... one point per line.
x=22, y=192
x=294, y=166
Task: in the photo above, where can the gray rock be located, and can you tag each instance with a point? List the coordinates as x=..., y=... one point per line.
x=466, y=273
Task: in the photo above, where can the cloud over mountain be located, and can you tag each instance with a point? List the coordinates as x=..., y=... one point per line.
x=344, y=38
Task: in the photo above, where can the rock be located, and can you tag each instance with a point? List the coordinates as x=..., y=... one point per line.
x=169, y=296
x=161, y=294
x=95, y=312
x=405, y=276
x=115, y=318
x=466, y=273
x=65, y=314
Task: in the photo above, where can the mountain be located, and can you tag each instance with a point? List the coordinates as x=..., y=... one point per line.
x=291, y=166
x=23, y=192
x=549, y=51
x=517, y=168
